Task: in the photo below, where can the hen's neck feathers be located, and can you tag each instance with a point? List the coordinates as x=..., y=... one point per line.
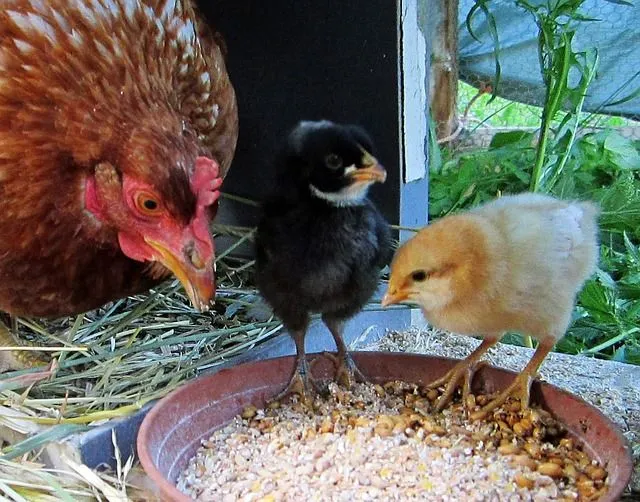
x=79, y=73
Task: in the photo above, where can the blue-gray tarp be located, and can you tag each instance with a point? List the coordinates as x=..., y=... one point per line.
x=616, y=36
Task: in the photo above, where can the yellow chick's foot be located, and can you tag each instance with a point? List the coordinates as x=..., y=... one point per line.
x=461, y=375
x=519, y=389
x=521, y=386
x=18, y=359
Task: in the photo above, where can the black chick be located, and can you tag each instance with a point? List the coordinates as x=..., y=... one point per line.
x=321, y=243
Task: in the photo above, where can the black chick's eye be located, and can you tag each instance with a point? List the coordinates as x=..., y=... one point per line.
x=333, y=161
x=419, y=276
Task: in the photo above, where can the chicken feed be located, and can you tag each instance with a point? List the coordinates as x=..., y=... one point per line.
x=386, y=443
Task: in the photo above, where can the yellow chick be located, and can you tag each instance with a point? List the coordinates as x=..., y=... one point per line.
x=514, y=264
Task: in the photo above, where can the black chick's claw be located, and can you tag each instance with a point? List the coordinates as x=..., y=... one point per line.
x=346, y=371
x=302, y=384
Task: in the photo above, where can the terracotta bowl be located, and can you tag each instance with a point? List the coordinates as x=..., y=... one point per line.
x=171, y=433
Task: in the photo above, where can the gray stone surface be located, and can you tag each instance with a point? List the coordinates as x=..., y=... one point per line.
x=612, y=387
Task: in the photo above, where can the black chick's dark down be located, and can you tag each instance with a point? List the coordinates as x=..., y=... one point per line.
x=313, y=257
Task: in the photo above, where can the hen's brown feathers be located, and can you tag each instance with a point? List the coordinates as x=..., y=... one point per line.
x=134, y=83
x=77, y=76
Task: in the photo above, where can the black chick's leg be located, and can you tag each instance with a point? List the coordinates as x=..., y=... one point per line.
x=301, y=382
x=347, y=373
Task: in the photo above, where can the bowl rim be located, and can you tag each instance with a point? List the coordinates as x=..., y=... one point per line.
x=167, y=488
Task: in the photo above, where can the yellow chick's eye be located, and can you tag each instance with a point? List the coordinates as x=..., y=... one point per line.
x=147, y=203
x=419, y=276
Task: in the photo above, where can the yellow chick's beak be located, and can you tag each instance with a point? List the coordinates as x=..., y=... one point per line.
x=393, y=296
x=196, y=278
x=371, y=171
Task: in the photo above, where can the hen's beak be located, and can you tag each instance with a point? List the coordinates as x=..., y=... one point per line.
x=192, y=271
x=371, y=171
x=393, y=296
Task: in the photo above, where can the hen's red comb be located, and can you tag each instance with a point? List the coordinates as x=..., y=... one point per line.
x=206, y=181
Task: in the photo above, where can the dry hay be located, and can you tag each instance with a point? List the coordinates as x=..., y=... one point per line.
x=111, y=362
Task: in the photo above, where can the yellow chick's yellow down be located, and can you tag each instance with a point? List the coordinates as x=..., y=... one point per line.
x=513, y=264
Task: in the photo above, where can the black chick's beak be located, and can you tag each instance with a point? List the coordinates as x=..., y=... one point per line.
x=371, y=170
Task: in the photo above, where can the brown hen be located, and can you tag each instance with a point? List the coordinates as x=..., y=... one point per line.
x=117, y=123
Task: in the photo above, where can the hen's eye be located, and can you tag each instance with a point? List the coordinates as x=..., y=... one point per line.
x=419, y=276
x=150, y=204
x=147, y=203
x=333, y=161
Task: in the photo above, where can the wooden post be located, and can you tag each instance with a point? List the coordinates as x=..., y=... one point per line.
x=443, y=32
x=414, y=114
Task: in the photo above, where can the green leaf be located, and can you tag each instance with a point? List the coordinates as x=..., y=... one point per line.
x=493, y=31
x=55, y=433
x=468, y=19
x=632, y=250
x=629, y=97
x=565, y=188
x=623, y=151
x=605, y=279
x=620, y=355
x=501, y=139
x=621, y=2
x=598, y=301
x=633, y=312
x=523, y=176
x=632, y=279
x=631, y=291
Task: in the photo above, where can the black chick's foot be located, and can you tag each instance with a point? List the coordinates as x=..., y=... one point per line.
x=347, y=372
x=301, y=384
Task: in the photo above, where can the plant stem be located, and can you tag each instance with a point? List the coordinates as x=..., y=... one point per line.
x=122, y=411
x=555, y=91
x=574, y=130
x=611, y=341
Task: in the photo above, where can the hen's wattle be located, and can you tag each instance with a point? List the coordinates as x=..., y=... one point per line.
x=102, y=101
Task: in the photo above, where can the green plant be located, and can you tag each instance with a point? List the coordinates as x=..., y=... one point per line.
x=557, y=22
x=601, y=166
x=470, y=178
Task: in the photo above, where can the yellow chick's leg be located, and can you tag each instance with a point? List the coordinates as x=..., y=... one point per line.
x=521, y=386
x=17, y=359
x=347, y=373
x=461, y=373
x=301, y=382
